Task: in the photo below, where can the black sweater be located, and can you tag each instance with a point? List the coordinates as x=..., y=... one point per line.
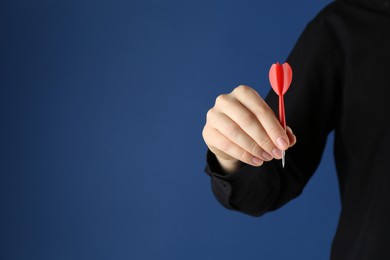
x=341, y=82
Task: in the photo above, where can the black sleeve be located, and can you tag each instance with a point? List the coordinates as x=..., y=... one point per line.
x=311, y=111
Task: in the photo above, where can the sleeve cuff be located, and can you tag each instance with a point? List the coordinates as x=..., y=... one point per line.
x=237, y=190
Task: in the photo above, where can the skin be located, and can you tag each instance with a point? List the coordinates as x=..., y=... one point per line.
x=242, y=129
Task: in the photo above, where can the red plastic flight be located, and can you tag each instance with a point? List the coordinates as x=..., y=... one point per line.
x=280, y=77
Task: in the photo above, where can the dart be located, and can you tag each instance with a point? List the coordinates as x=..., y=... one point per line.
x=280, y=77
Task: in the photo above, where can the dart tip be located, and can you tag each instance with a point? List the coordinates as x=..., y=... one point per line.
x=283, y=159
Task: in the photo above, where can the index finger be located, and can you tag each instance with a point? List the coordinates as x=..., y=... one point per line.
x=264, y=114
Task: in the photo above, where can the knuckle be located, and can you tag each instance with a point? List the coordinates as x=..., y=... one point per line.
x=255, y=149
x=243, y=157
x=204, y=133
x=276, y=131
x=264, y=111
x=242, y=89
x=265, y=142
x=222, y=99
x=209, y=114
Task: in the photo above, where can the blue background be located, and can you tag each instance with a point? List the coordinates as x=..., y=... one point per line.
x=102, y=104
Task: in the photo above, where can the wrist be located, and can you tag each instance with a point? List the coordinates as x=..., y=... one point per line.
x=229, y=166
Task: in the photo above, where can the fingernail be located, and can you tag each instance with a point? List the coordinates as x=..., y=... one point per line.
x=267, y=156
x=282, y=143
x=257, y=161
x=277, y=153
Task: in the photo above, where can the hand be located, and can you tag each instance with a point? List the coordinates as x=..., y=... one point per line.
x=241, y=127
